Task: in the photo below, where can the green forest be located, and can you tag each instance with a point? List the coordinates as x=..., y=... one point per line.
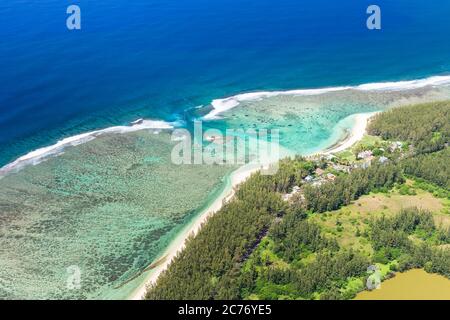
x=426, y=126
x=259, y=246
x=432, y=167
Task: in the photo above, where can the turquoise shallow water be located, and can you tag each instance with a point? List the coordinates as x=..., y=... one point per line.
x=158, y=58
x=107, y=207
x=308, y=123
x=111, y=206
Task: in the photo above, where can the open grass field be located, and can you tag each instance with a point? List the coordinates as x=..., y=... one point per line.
x=367, y=142
x=350, y=224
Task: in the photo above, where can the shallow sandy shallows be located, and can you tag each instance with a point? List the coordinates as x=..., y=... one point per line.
x=178, y=244
x=236, y=178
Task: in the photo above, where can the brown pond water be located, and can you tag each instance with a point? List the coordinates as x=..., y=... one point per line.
x=411, y=285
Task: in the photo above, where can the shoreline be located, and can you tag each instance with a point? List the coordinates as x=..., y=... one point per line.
x=234, y=180
x=35, y=156
x=228, y=103
x=356, y=134
x=41, y=154
x=161, y=264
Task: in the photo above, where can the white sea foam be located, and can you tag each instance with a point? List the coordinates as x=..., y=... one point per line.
x=222, y=105
x=39, y=155
x=219, y=106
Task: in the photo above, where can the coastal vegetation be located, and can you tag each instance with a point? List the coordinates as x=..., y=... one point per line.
x=312, y=230
x=430, y=167
x=333, y=195
x=210, y=266
x=199, y=271
x=425, y=126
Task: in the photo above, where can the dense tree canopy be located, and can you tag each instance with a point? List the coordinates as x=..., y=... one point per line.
x=210, y=265
x=433, y=167
x=333, y=195
x=224, y=241
x=391, y=238
x=258, y=244
x=426, y=126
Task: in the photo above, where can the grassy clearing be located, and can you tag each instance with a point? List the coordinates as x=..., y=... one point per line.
x=368, y=142
x=349, y=225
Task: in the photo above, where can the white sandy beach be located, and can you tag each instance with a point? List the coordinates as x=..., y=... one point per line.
x=236, y=178
x=357, y=133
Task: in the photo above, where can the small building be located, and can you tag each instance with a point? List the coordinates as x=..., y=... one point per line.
x=340, y=167
x=383, y=159
x=308, y=178
x=365, y=154
x=331, y=177
x=319, y=172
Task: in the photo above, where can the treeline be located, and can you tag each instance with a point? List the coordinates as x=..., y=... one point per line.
x=333, y=195
x=313, y=265
x=390, y=238
x=321, y=276
x=294, y=235
x=291, y=172
x=210, y=265
x=212, y=259
x=434, y=167
x=295, y=238
x=425, y=126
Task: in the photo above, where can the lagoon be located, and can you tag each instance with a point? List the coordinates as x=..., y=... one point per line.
x=414, y=284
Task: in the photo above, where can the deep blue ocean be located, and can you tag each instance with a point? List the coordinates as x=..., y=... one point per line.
x=158, y=58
